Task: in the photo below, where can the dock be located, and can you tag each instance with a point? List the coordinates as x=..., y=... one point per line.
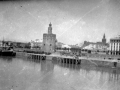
x=73, y=60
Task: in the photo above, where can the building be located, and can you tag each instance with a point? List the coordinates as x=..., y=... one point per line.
x=96, y=46
x=115, y=46
x=37, y=44
x=59, y=45
x=104, y=39
x=49, y=41
x=75, y=50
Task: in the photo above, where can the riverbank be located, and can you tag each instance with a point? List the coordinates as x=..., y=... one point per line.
x=91, y=61
x=88, y=59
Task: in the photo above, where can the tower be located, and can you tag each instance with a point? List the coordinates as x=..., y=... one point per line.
x=104, y=39
x=50, y=28
x=49, y=41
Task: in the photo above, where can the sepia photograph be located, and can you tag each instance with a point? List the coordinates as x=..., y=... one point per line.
x=59, y=44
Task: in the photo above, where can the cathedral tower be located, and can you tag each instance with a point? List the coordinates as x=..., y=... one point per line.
x=104, y=39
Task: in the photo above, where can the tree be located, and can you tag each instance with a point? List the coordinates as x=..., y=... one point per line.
x=28, y=45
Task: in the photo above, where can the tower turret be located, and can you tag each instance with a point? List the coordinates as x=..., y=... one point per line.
x=50, y=28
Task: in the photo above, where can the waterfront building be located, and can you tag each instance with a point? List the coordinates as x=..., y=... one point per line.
x=96, y=46
x=75, y=50
x=63, y=47
x=115, y=46
x=37, y=44
x=66, y=47
x=49, y=41
x=59, y=45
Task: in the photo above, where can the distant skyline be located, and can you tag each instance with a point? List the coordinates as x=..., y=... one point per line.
x=73, y=21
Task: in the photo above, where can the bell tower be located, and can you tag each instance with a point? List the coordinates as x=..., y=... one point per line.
x=104, y=39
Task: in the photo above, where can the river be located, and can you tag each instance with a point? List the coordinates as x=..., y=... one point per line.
x=26, y=74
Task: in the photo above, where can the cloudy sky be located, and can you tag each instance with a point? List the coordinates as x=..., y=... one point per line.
x=73, y=21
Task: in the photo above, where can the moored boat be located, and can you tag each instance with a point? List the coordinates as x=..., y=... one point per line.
x=7, y=51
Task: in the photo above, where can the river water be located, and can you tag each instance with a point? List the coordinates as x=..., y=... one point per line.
x=26, y=74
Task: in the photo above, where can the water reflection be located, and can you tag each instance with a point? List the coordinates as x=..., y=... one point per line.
x=105, y=78
x=47, y=65
x=7, y=59
x=26, y=74
x=114, y=76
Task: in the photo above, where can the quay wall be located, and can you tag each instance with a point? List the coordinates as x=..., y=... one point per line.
x=103, y=56
x=98, y=63
x=82, y=61
x=21, y=54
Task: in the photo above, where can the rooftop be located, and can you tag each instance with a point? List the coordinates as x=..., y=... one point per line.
x=118, y=37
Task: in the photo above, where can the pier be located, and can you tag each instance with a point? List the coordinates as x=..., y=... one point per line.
x=63, y=59
x=36, y=56
x=75, y=60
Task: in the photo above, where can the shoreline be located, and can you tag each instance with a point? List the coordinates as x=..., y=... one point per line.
x=82, y=60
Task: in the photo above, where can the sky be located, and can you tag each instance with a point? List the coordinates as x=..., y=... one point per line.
x=73, y=21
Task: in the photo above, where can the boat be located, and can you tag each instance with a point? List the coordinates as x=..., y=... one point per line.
x=7, y=51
